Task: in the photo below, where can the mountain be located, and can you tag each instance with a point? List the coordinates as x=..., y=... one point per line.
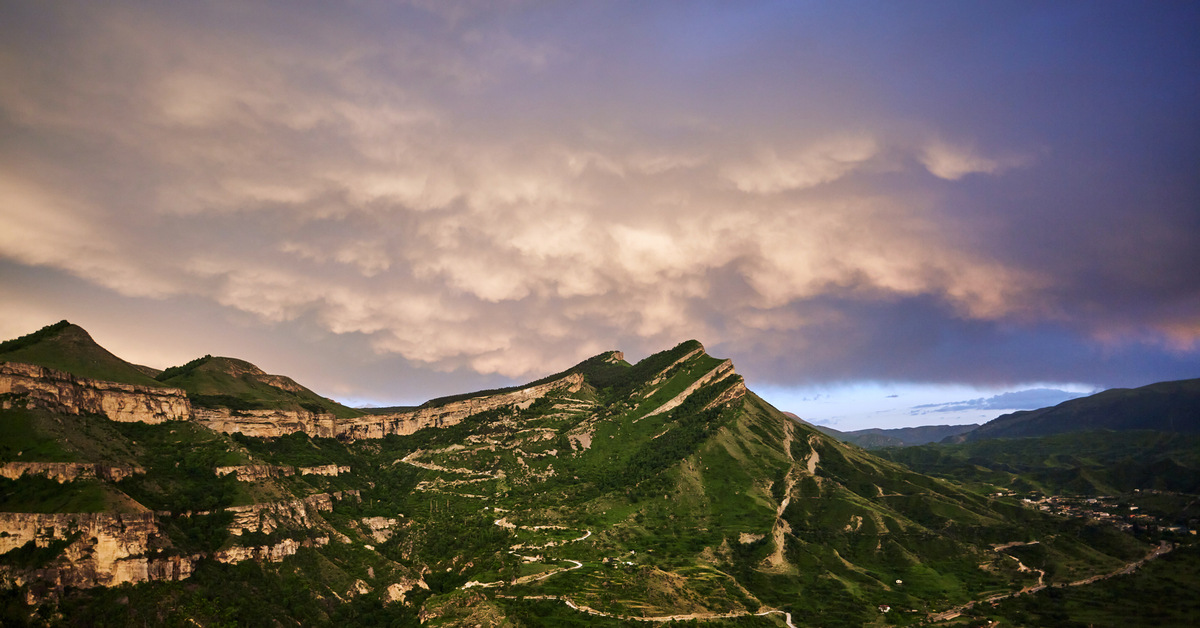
x=70, y=348
x=237, y=384
x=1165, y=406
x=602, y=494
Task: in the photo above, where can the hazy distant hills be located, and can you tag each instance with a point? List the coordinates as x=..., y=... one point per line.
x=1165, y=406
x=875, y=438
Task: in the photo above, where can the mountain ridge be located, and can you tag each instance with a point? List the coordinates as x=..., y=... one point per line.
x=658, y=489
x=1172, y=406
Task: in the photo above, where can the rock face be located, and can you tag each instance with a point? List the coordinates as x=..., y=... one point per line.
x=272, y=553
x=268, y=423
x=332, y=470
x=296, y=513
x=402, y=423
x=380, y=528
x=40, y=387
x=256, y=472
x=104, y=550
x=68, y=471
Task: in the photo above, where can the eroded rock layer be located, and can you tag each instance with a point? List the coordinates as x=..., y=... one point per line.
x=35, y=386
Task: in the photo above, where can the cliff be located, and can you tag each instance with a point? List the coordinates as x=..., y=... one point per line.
x=101, y=549
x=268, y=423
x=33, y=386
x=294, y=513
x=452, y=413
x=68, y=471
x=105, y=550
x=38, y=387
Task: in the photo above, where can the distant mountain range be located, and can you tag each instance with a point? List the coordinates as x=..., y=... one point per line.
x=1164, y=407
x=875, y=438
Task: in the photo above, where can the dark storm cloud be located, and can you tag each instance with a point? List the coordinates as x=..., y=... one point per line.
x=982, y=193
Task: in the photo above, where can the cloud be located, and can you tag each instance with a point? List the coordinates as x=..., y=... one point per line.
x=1031, y=399
x=953, y=162
x=828, y=160
x=479, y=188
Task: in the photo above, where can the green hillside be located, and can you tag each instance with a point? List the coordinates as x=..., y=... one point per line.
x=69, y=348
x=659, y=489
x=239, y=385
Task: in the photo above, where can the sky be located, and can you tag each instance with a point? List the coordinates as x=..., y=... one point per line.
x=866, y=205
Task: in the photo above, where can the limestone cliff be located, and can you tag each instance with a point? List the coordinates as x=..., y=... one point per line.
x=294, y=513
x=256, y=472
x=68, y=471
x=35, y=386
x=408, y=422
x=271, y=553
x=39, y=387
x=332, y=470
x=104, y=549
x=268, y=423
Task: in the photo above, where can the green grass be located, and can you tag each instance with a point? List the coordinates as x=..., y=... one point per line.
x=21, y=438
x=43, y=495
x=239, y=385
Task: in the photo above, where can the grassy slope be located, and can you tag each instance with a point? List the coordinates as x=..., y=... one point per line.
x=230, y=382
x=69, y=348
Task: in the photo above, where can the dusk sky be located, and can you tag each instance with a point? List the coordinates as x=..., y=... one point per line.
x=868, y=206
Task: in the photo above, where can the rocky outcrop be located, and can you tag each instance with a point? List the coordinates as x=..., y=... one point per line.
x=445, y=415
x=291, y=513
x=380, y=528
x=260, y=472
x=256, y=472
x=332, y=470
x=396, y=592
x=722, y=371
x=68, y=471
x=38, y=387
x=268, y=553
x=33, y=386
x=268, y=423
x=104, y=549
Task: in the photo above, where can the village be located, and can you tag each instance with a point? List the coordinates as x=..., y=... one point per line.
x=1124, y=512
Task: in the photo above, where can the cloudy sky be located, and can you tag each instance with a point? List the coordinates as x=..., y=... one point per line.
x=389, y=201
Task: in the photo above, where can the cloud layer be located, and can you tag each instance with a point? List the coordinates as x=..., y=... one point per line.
x=503, y=189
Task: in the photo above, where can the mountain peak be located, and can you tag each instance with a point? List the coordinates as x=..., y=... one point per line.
x=68, y=347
